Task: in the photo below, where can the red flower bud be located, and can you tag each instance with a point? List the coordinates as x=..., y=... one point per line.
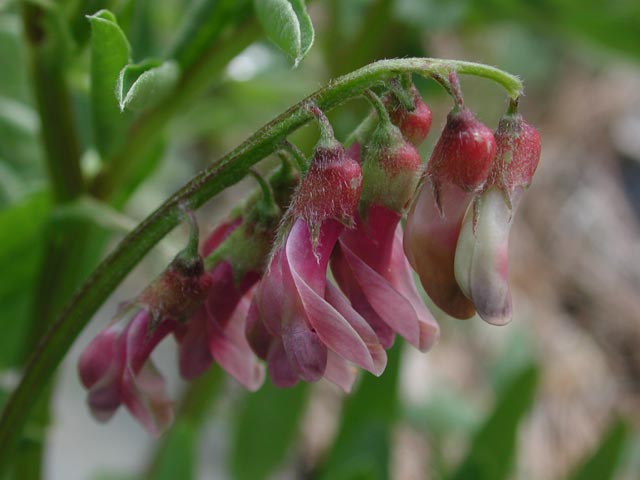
x=517, y=154
x=464, y=153
x=414, y=124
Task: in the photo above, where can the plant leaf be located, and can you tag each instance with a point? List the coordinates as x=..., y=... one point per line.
x=110, y=53
x=145, y=84
x=493, y=448
x=603, y=462
x=362, y=447
x=178, y=454
x=265, y=427
x=21, y=230
x=288, y=25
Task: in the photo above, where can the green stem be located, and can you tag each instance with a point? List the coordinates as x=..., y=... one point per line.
x=228, y=170
x=296, y=154
x=378, y=106
x=62, y=150
x=55, y=282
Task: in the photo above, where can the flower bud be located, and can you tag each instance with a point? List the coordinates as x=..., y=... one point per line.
x=464, y=153
x=390, y=169
x=413, y=123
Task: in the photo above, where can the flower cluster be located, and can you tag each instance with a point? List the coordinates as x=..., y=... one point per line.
x=325, y=286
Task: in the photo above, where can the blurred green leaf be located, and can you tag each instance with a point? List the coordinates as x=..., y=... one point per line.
x=204, y=23
x=145, y=84
x=362, y=447
x=177, y=458
x=494, y=446
x=266, y=425
x=288, y=25
x=110, y=53
x=21, y=231
x=605, y=459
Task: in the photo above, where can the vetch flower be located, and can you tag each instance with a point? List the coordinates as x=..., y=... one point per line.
x=236, y=254
x=369, y=263
x=299, y=320
x=115, y=367
x=481, y=262
x=458, y=168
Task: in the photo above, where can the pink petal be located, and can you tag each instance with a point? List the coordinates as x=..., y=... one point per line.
x=256, y=332
x=430, y=241
x=143, y=390
x=349, y=285
x=401, y=277
x=98, y=358
x=360, y=326
x=145, y=396
x=390, y=305
x=280, y=369
x=330, y=326
x=232, y=351
x=194, y=355
x=340, y=372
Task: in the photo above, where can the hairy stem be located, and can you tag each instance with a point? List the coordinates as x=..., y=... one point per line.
x=228, y=170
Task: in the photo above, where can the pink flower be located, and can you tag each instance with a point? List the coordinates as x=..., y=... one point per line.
x=369, y=263
x=373, y=272
x=300, y=323
x=458, y=168
x=116, y=369
x=237, y=252
x=308, y=319
x=481, y=261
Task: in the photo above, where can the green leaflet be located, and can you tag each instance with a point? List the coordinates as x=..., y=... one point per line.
x=604, y=461
x=110, y=52
x=494, y=447
x=144, y=84
x=264, y=430
x=288, y=25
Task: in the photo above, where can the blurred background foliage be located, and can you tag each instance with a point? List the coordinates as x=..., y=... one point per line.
x=554, y=395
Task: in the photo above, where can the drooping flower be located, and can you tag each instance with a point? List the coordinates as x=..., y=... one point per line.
x=369, y=264
x=116, y=367
x=481, y=262
x=299, y=320
x=236, y=254
x=458, y=168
